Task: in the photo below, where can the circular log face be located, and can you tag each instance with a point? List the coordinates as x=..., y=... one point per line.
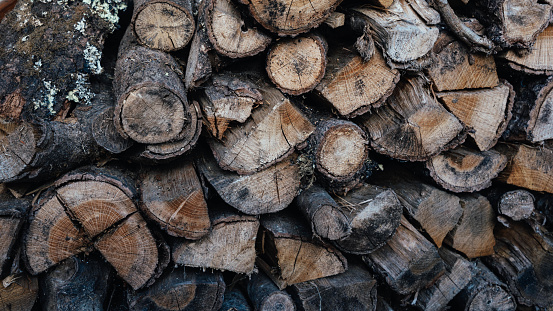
x=164, y=26
x=343, y=151
x=152, y=115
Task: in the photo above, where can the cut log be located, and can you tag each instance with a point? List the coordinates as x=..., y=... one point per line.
x=298, y=64
x=527, y=167
x=399, y=30
x=229, y=246
x=289, y=254
x=517, y=204
x=173, y=197
x=335, y=20
x=354, y=289
x=374, y=214
x=353, y=86
x=103, y=129
x=486, y=111
x=267, y=191
x=266, y=296
x=198, y=66
x=538, y=59
x=292, y=18
x=166, y=25
x=181, y=290
x=18, y=292
x=412, y=125
x=523, y=260
x=235, y=300
x=466, y=170
x=325, y=215
x=75, y=283
x=408, y=262
x=228, y=31
x=272, y=133
x=473, y=235
x=13, y=213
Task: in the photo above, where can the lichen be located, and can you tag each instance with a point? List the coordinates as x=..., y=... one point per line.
x=81, y=93
x=48, y=97
x=80, y=26
x=107, y=10
x=93, y=57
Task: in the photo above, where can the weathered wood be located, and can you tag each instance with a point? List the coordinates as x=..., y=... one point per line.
x=166, y=25
x=466, y=170
x=180, y=289
x=537, y=60
x=266, y=296
x=517, y=204
x=374, y=214
x=229, y=246
x=19, y=293
x=103, y=128
x=172, y=196
x=353, y=86
x=425, y=11
x=408, y=262
x=235, y=300
x=412, y=125
x=298, y=64
x=335, y=20
x=354, y=289
x=13, y=213
x=473, y=235
x=267, y=191
x=325, y=215
x=198, y=66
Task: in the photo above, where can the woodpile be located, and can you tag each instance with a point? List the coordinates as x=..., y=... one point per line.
x=271, y=155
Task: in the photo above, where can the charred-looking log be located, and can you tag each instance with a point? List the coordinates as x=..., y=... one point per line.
x=75, y=282
x=166, y=25
x=152, y=108
x=399, y=30
x=229, y=33
x=465, y=170
x=412, y=125
x=354, y=289
x=523, y=259
x=182, y=290
x=325, y=215
x=408, y=262
x=289, y=254
x=92, y=208
x=485, y=292
x=227, y=97
x=353, y=86
x=172, y=196
x=267, y=191
x=538, y=59
x=513, y=23
x=284, y=18
x=374, y=214
x=230, y=246
x=298, y=64
x=235, y=300
x=516, y=204
x=12, y=216
x=528, y=167
x=19, y=293
x=271, y=134
x=456, y=277
x=486, y=111
x=473, y=235
x=266, y=296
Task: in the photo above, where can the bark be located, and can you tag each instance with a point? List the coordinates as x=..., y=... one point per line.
x=19, y=293
x=266, y=296
x=538, y=60
x=13, y=213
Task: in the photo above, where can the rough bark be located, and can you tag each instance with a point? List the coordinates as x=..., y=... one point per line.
x=13, y=213
x=266, y=296
x=538, y=60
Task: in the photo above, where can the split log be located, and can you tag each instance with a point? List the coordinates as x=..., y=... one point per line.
x=374, y=214
x=412, y=125
x=465, y=170
x=297, y=65
x=19, y=293
x=228, y=97
x=229, y=246
x=335, y=20
x=325, y=215
x=289, y=254
x=527, y=167
x=516, y=204
x=228, y=31
x=486, y=111
x=275, y=128
x=408, y=262
x=538, y=60
x=75, y=282
x=166, y=25
x=266, y=296
x=267, y=191
x=353, y=86
x=354, y=289
x=172, y=196
x=182, y=290
x=473, y=235
x=198, y=66
x=523, y=259
x=235, y=300
x=13, y=213
x=293, y=18
x=425, y=11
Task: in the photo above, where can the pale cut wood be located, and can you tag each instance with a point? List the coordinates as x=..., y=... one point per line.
x=266, y=296
x=538, y=59
x=517, y=204
x=412, y=125
x=381, y=3
x=19, y=294
x=466, y=170
x=230, y=246
x=198, y=65
x=335, y=20
x=354, y=86
x=425, y=11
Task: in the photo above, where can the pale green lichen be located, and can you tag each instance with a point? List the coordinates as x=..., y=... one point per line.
x=81, y=93
x=93, y=57
x=48, y=98
x=80, y=26
x=107, y=10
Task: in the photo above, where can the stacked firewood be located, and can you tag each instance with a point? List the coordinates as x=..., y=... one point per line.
x=275, y=155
